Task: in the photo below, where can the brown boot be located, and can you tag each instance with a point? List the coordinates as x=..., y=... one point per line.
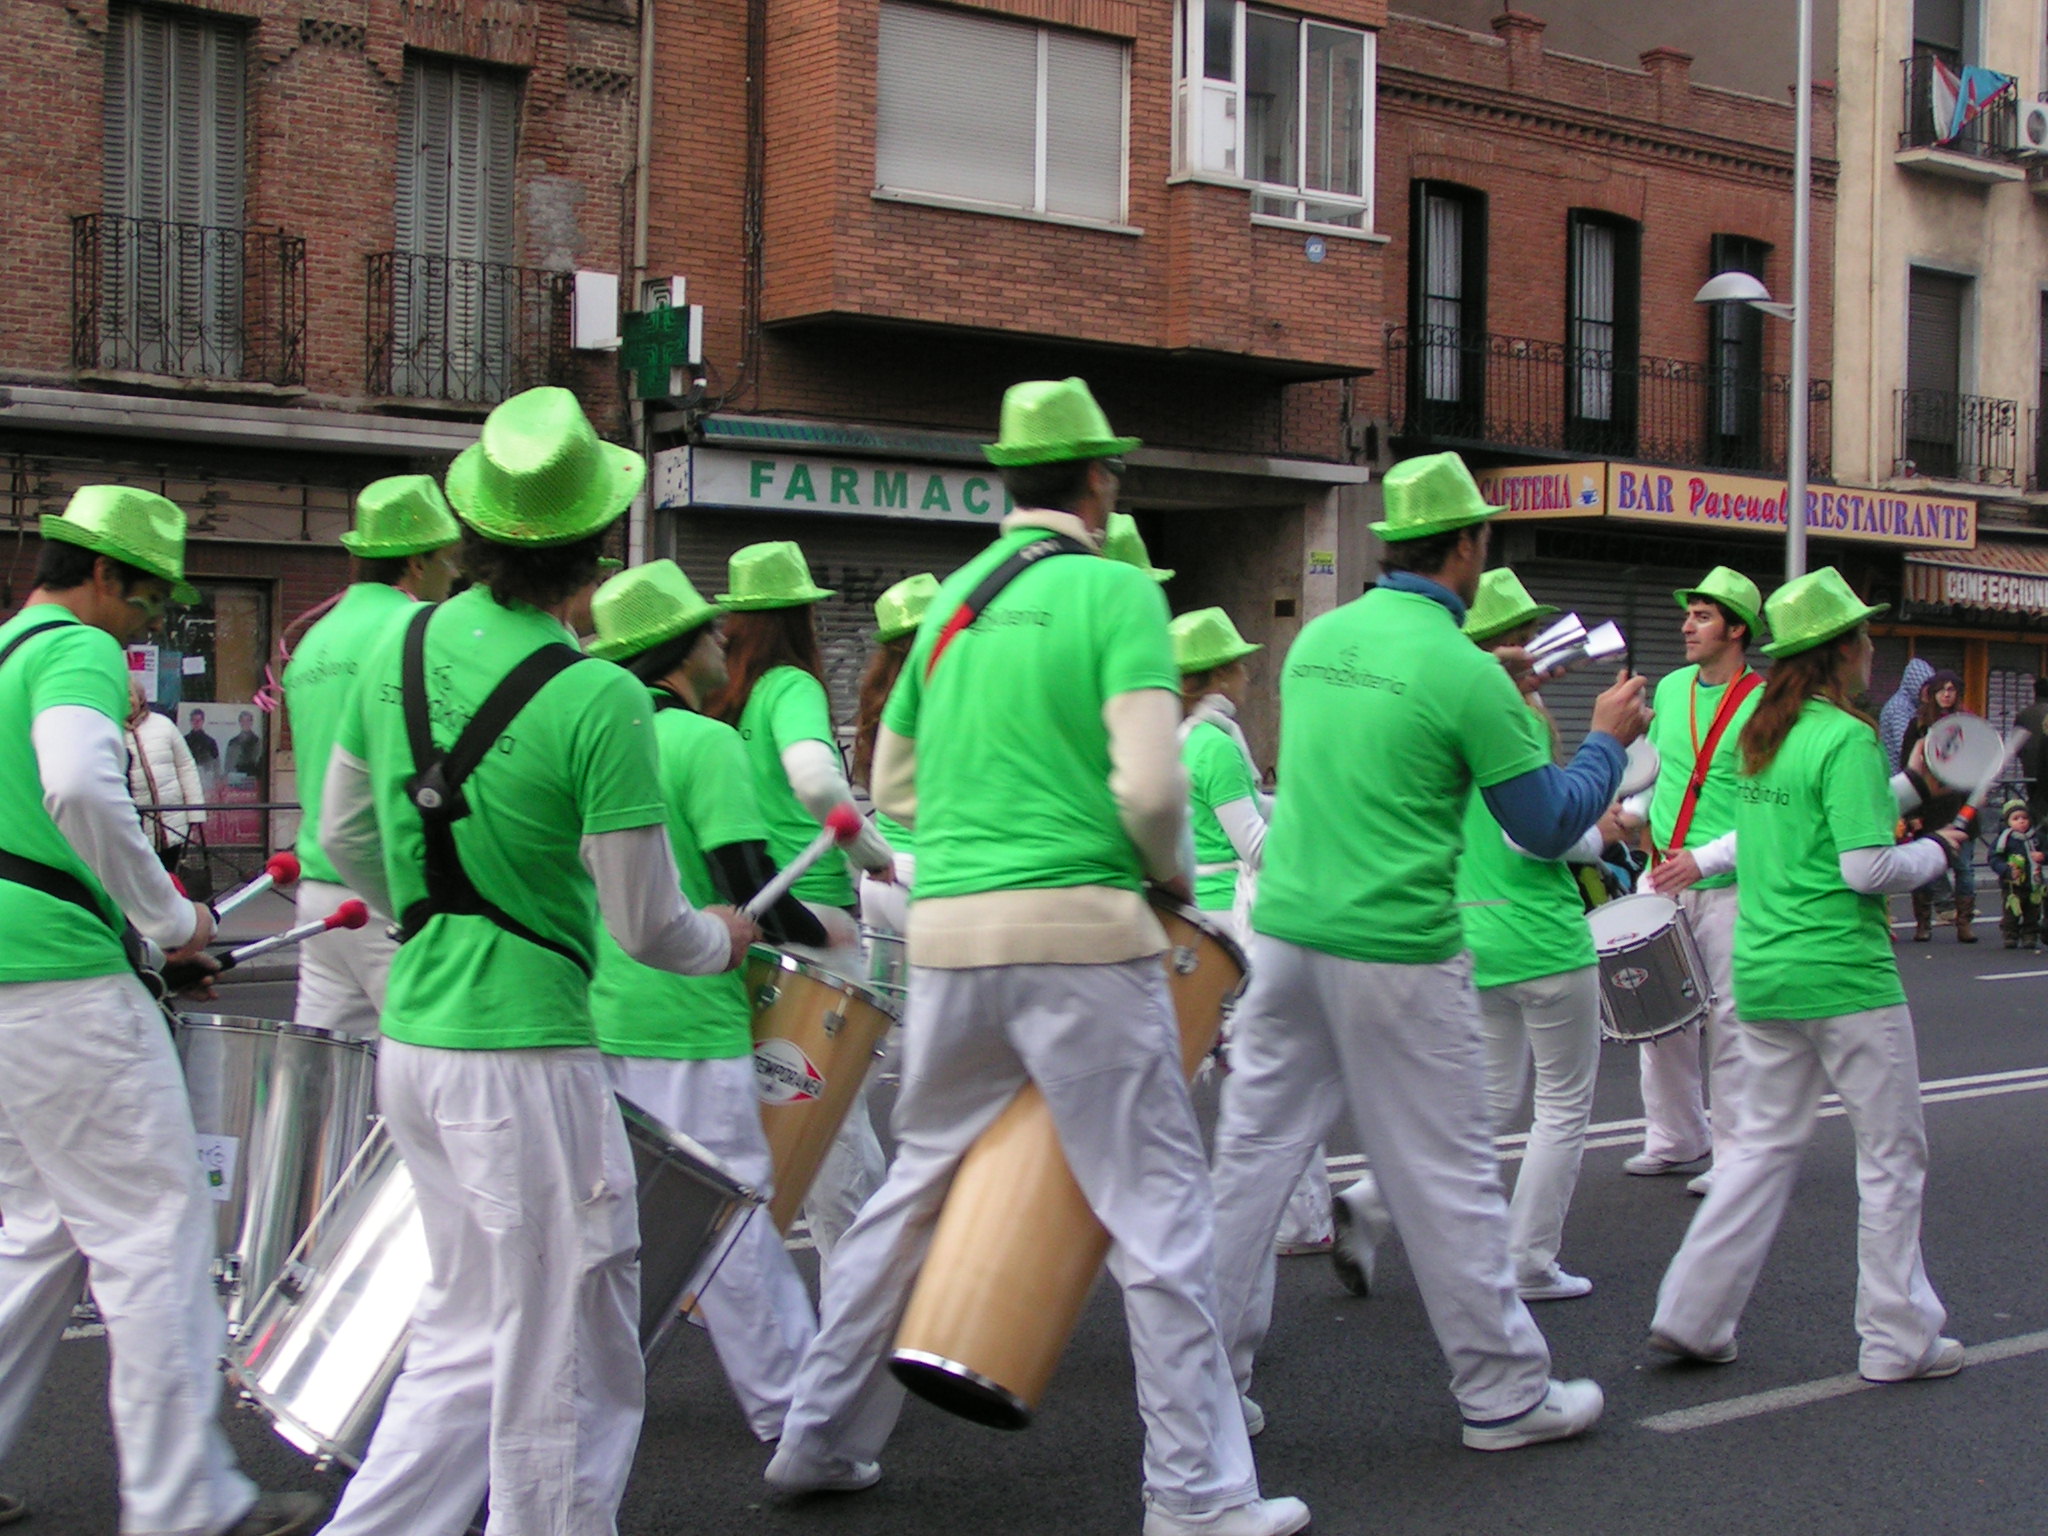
x=1923, y=916
x=1966, y=912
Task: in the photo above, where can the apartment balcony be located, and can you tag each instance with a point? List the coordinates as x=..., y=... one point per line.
x=1970, y=439
x=1519, y=394
x=466, y=332
x=1985, y=149
x=187, y=301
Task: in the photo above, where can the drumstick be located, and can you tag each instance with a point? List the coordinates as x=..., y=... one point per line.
x=280, y=868
x=187, y=973
x=1966, y=818
x=842, y=826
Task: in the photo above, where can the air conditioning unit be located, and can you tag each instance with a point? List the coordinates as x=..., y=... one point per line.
x=2034, y=128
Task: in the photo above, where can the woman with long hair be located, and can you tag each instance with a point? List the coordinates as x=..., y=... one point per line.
x=774, y=696
x=884, y=904
x=1819, y=999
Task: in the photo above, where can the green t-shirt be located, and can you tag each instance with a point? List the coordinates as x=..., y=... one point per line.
x=709, y=798
x=787, y=706
x=48, y=939
x=579, y=760
x=320, y=688
x=895, y=834
x=1217, y=775
x=1012, y=754
x=1806, y=946
x=1681, y=713
x=1523, y=917
x=1388, y=717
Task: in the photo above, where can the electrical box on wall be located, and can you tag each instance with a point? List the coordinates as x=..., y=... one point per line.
x=594, y=321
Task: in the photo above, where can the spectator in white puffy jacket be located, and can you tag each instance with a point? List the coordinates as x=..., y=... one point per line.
x=161, y=772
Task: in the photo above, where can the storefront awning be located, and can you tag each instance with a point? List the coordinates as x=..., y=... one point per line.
x=1992, y=578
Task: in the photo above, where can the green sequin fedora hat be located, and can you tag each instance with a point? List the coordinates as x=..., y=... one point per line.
x=1813, y=609
x=1503, y=604
x=1732, y=590
x=639, y=609
x=1122, y=541
x=400, y=515
x=1431, y=493
x=540, y=475
x=1206, y=639
x=122, y=522
x=772, y=575
x=1053, y=421
x=901, y=609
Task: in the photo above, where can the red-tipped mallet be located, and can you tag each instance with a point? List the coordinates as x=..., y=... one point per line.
x=842, y=826
x=188, y=973
x=280, y=869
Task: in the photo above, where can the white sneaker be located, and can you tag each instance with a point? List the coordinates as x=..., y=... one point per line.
x=1254, y=1416
x=1946, y=1360
x=1261, y=1517
x=1569, y=1408
x=790, y=1473
x=1361, y=1222
x=1559, y=1287
x=1700, y=1183
x=1649, y=1166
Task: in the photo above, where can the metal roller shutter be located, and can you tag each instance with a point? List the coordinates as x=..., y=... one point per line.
x=858, y=558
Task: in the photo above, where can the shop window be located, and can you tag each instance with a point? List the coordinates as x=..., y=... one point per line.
x=1603, y=283
x=1282, y=102
x=203, y=671
x=1000, y=114
x=1447, y=307
x=1735, y=362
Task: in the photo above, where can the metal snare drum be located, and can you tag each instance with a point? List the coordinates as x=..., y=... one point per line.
x=280, y=1109
x=1652, y=979
x=324, y=1344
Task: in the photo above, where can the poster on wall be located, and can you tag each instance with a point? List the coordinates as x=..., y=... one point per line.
x=142, y=670
x=227, y=741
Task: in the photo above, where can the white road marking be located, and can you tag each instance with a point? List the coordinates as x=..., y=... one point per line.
x=1778, y=1399
x=2010, y=975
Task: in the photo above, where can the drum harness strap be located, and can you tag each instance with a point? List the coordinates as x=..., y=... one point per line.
x=61, y=884
x=435, y=788
x=977, y=601
x=1703, y=759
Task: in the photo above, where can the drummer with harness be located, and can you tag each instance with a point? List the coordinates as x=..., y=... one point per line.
x=97, y=1172
x=499, y=793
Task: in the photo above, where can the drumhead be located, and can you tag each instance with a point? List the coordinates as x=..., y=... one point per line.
x=1629, y=920
x=671, y=1145
x=1641, y=769
x=1963, y=750
x=805, y=966
x=282, y=1028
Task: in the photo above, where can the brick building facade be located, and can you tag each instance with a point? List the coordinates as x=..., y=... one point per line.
x=261, y=253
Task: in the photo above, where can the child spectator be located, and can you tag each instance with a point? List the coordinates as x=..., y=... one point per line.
x=2016, y=858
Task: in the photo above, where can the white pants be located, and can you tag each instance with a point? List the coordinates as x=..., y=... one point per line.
x=1674, y=1108
x=755, y=1306
x=1101, y=1043
x=341, y=973
x=523, y=1376
x=1869, y=1059
x=853, y=1168
x=1554, y=1020
x=98, y=1169
x=1403, y=1044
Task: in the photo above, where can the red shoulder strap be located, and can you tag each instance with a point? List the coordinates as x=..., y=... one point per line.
x=1731, y=701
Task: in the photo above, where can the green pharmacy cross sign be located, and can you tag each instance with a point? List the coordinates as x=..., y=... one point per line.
x=653, y=345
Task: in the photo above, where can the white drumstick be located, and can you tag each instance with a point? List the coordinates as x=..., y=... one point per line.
x=279, y=869
x=842, y=825
x=350, y=914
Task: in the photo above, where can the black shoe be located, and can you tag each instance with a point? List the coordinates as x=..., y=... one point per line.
x=12, y=1509
x=280, y=1514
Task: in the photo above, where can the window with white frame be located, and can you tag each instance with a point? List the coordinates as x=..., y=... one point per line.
x=1000, y=114
x=1280, y=101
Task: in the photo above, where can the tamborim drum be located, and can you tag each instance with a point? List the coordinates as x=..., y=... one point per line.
x=1017, y=1249
x=1652, y=979
x=1962, y=750
x=816, y=1035
x=324, y=1344
x=1640, y=770
x=280, y=1109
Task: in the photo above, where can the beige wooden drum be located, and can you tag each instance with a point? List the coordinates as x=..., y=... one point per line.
x=815, y=1036
x=1017, y=1248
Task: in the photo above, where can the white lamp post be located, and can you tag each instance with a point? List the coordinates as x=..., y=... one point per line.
x=1741, y=288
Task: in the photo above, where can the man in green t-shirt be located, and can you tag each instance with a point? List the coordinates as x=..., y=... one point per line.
x=1033, y=753
x=1717, y=690
x=682, y=1047
x=524, y=1374
x=1361, y=993
x=96, y=1165
x=399, y=555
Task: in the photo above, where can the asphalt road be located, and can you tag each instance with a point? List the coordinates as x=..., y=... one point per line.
x=1360, y=1422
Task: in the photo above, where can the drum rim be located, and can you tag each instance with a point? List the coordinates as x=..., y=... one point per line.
x=230, y=1023
x=262, y=1401
x=1632, y=896
x=674, y=1140
x=1193, y=915
x=815, y=971
x=965, y=1373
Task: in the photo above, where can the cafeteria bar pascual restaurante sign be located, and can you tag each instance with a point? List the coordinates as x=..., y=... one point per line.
x=1646, y=493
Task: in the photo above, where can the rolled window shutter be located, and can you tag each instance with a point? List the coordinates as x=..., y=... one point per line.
x=956, y=105
x=1934, y=332
x=1084, y=126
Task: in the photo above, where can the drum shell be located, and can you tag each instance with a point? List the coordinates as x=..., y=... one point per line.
x=691, y=1208
x=1017, y=1249
x=284, y=1107
x=1654, y=984
x=816, y=1026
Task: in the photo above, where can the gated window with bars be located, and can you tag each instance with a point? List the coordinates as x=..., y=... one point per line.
x=1603, y=283
x=1735, y=357
x=1447, y=299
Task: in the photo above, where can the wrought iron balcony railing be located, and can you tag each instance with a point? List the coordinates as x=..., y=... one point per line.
x=1947, y=436
x=1932, y=84
x=187, y=300
x=443, y=328
x=1462, y=389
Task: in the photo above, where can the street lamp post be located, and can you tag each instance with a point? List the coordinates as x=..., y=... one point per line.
x=1742, y=288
